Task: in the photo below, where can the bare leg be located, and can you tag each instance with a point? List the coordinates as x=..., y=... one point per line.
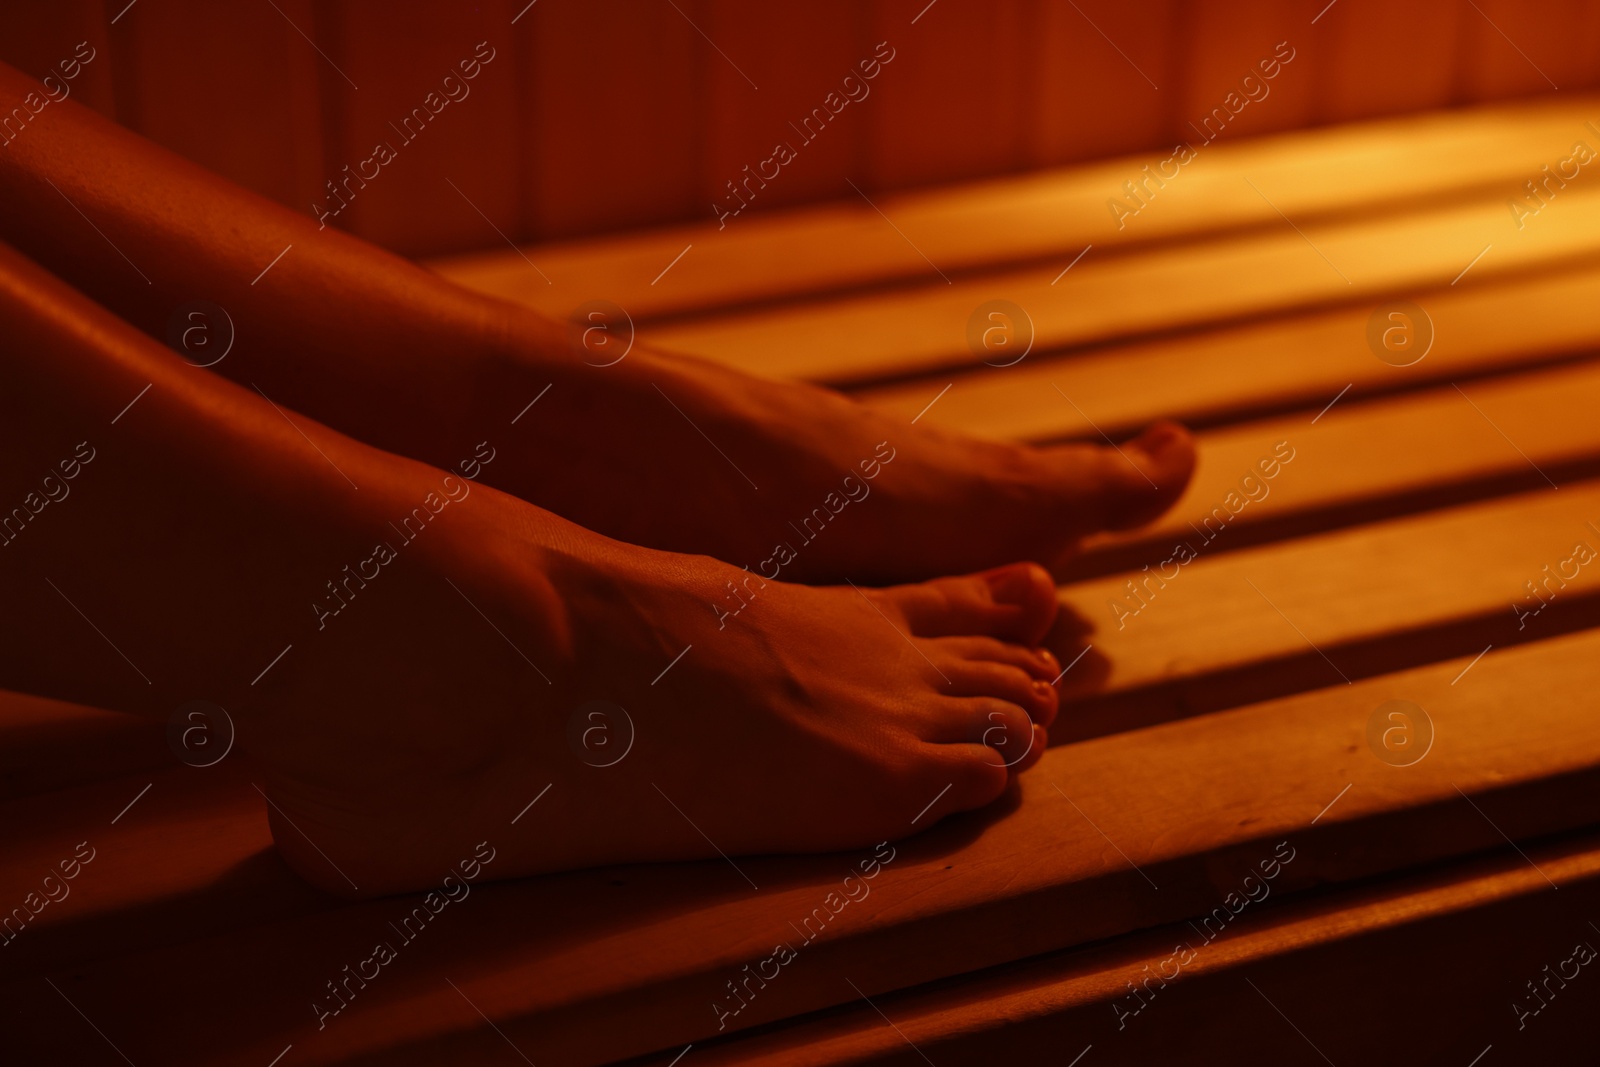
x=387, y=352
x=405, y=652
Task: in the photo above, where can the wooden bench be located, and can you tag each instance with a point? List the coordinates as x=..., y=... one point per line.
x=1220, y=724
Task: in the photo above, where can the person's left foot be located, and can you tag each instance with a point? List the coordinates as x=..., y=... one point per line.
x=801, y=482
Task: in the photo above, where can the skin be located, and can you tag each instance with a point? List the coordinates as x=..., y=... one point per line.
x=397, y=357
x=191, y=546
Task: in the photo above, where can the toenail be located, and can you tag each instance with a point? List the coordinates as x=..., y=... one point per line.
x=1015, y=585
x=1158, y=438
x=1041, y=689
x=1048, y=658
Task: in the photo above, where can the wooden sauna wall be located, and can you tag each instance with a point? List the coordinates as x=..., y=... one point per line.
x=598, y=115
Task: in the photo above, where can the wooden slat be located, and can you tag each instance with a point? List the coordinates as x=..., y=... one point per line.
x=861, y=338
x=1218, y=375
x=187, y=857
x=47, y=745
x=592, y=966
x=1312, y=950
x=1317, y=611
x=1038, y=217
x=1380, y=458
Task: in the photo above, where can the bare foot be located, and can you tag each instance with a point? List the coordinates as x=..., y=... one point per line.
x=700, y=458
x=813, y=719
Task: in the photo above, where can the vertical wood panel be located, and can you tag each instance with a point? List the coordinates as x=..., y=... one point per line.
x=1514, y=47
x=37, y=38
x=607, y=114
x=797, y=53
x=399, y=54
x=221, y=85
x=1586, y=34
x=1105, y=82
x=614, y=105
x=302, y=94
x=956, y=100
x=1225, y=43
x=1376, y=57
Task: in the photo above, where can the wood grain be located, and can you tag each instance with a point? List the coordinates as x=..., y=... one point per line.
x=1100, y=68
x=232, y=88
x=795, y=55
x=1506, y=53
x=397, y=57
x=1320, y=946
x=1046, y=218
x=1220, y=630
x=1224, y=92
x=612, y=96
x=1317, y=951
x=40, y=37
x=594, y=966
x=1376, y=58
x=858, y=339
x=1387, y=457
x=959, y=95
x=622, y=110
x=1218, y=376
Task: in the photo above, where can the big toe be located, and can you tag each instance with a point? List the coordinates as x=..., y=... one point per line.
x=1016, y=602
x=1119, y=487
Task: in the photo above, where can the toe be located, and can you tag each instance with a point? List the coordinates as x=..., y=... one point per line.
x=1116, y=488
x=1039, y=663
x=986, y=678
x=1004, y=729
x=1040, y=742
x=1016, y=602
x=962, y=778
